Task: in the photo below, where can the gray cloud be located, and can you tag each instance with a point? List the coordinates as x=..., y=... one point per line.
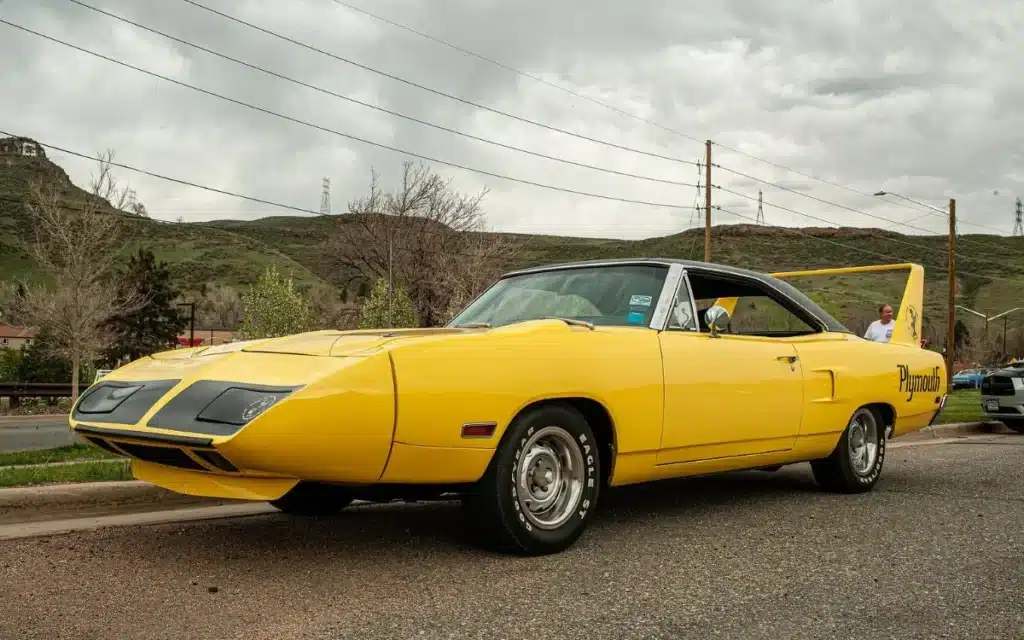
x=914, y=97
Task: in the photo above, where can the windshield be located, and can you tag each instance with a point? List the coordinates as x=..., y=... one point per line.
x=617, y=295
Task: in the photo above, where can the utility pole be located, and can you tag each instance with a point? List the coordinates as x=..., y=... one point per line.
x=391, y=322
x=760, y=208
x=951, y=319
x=1018, y=225
x=707, y=202
x=191, y=322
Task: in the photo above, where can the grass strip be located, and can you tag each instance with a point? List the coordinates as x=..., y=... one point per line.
x=962, y=406
x=57, y=454
x=89, y=471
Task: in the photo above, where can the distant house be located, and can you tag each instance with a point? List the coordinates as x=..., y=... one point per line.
x=13, y=337
x=21, y=147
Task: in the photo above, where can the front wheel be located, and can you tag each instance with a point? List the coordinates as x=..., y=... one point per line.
x=542, y=485
x=856, y=463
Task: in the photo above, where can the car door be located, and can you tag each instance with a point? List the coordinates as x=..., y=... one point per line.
x=728, y=395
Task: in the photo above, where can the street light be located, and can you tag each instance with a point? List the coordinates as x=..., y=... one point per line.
x=890, y=193
x=988, y=319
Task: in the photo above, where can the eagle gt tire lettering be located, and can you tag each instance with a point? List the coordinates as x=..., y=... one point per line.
x=856, y=463
x=542, y=485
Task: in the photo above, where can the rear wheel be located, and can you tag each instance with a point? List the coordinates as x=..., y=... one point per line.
x=856, y=463
x=313, y=499
x=541, y=487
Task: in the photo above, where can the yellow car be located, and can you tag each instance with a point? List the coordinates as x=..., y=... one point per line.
x=554, y=384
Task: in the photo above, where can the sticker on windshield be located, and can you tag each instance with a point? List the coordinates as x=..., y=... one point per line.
x=635, y=317
x=640, y=301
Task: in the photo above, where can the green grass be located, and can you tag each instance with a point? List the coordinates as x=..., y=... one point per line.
x=58, y=454
x=92, y=471
x=962, y=406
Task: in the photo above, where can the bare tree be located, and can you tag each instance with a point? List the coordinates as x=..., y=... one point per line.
x=77, y=245
x=464, y=276
x=425, y=235
x=220, y=308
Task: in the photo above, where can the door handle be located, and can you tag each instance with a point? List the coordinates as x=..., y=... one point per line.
x=788, y=358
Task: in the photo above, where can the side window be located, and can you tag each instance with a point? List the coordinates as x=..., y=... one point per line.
x=761, y=315
x=681, y=317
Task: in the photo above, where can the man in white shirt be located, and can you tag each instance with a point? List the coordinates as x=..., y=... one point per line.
x=881, y=330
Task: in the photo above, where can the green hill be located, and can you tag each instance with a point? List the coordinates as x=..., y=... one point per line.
x=196, y=254
x=233, y=252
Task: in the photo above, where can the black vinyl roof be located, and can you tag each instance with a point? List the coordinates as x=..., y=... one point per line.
x=698, y=267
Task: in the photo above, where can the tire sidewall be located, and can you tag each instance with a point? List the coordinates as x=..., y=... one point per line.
x=527, y=535
x=871, y=477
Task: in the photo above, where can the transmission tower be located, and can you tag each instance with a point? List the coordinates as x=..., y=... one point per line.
x=760, y=208
x=1018, y=225
x=325, y=198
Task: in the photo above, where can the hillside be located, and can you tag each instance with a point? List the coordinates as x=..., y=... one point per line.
x=233, y=252
x=195, y=254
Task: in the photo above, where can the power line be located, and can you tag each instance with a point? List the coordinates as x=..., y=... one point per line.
x=434, y=91
x=347, y=135
x=369, y=105
x=588, y=98
x=830, y=222
x=857, y=211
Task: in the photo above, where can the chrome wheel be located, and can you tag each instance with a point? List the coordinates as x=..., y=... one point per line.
x=863, y=441
x=549, y=482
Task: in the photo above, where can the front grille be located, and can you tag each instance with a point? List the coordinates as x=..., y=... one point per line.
x=169, y=456
x=997, y=386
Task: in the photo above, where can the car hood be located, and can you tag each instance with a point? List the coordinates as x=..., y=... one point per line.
x=344, y=343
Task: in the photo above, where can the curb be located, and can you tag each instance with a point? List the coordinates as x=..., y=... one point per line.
x=6, y=421
x=955, y=428
x=23, y=504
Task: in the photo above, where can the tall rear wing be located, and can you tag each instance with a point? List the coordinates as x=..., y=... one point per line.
x=908, y=318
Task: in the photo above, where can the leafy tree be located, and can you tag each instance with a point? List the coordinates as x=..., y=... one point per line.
x=272, y=307
x=374, y=314
x=153, y=327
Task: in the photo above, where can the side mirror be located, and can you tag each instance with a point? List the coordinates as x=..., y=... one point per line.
x=717, y=318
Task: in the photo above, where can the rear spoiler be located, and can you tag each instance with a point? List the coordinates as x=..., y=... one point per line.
x=908, y=318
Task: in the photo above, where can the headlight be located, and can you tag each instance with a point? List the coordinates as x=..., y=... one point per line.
x=106, y=398
x=239, y=406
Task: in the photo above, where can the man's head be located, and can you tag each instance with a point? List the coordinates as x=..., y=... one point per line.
x=885, y=313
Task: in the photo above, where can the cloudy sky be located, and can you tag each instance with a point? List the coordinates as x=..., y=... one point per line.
x=921, y=97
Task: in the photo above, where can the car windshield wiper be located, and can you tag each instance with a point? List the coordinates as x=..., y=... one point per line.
x=474, y=325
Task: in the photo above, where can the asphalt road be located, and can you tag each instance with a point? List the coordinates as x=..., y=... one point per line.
x=934, y=552
x=35, y=433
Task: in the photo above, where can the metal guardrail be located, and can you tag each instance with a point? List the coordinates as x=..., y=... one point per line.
x=39, y=389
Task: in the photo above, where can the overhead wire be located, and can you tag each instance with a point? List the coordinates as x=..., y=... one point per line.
x=431, y=90
x=852, y=210
x=367, y=104
x=342, y=134
x=867, y=232
x=594, y=101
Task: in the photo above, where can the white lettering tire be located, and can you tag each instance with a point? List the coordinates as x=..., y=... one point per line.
x=856, y=463
x=542, y=485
